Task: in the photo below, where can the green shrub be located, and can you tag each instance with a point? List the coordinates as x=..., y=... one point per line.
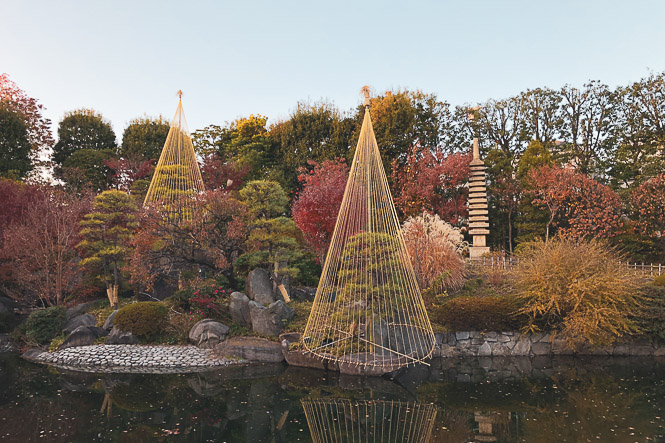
x=44, y=324
x=490, y=313
x=578, y=289
x=143, y=319
x=56, y=342
x=659, y=281
x=651, y=316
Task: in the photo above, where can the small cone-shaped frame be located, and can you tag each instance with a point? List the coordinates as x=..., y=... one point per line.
x=177, y=178
x=368, y=310
x=347, y=421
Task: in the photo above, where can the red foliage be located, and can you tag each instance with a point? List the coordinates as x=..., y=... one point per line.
x=317, y=205
x=38, y=254
x=127, y=170
x=648, y=202
x=432, y=182
x=217, y=174
x=39, y=128
x=578, y=205
x=16, y=198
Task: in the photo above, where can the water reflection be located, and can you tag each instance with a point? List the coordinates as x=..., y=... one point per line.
x=454, y=400
x=342, y=421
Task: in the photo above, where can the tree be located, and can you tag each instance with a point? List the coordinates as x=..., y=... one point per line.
x=314, y=132
x=106, y=233
x=14, y=144
x=577, y=205
x=218, y=174
x=504, y=193
x=83, y=129
x=317, y=205
x=126, y=171
x=500, y=124
x=541, y=110
x=432, y=182
x=211, y=241
x=88, y=168
x=42, y=248
x=588, y=120
x=640, y=131
x=404, y=119
x=264, y=199
x=245, y=142
x=648, y=204
x=144, y=138
x=38, y=127
x=274, y=241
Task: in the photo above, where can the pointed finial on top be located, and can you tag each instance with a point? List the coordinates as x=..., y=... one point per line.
x=365, y=91
x=180, y=94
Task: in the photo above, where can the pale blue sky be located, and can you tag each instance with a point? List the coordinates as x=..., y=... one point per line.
x=128, y=58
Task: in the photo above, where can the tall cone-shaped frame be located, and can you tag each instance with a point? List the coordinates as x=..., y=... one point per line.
x=368, y=315
x=177, y=179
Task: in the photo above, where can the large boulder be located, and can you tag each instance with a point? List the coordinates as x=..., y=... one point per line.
x=81, y=309
x=302, y=293
x=259, y=287
x=270, y=320
x=118, y=337
x=239, y=309
x=108, y=323
x=81, y=320
x=208, y=333
x=83, y=336
x=252, y=349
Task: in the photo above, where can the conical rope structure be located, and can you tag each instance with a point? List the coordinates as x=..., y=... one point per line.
x=177, y=179
x=368, y=312
x=349, y=421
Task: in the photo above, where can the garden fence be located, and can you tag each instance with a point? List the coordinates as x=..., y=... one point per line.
x=507, y=263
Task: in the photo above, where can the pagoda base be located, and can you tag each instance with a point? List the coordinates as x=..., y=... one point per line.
x=475, y=252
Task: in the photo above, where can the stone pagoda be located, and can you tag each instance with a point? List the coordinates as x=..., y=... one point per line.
x=478, y=215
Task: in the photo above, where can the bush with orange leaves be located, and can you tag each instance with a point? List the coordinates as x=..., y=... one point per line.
x=577, y=289
x=435, y=248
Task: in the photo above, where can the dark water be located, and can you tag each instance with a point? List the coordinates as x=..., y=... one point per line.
x=477, y=400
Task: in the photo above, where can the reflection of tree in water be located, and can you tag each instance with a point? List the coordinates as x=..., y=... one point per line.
x=339, y=420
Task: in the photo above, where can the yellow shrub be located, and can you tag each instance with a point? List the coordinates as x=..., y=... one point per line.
x=578, y=289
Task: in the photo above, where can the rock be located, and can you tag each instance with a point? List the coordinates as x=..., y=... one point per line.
x=77, y=310
x=522, y=347
x=259, y=287
x=291, y=337
x=659, y=352
x=252, y=349
x=541, y=348
x=302, y=293
x=560, y=347
x=270, y=320
x=485, y=350
x=461, y=335
x=500, y=350
x=33, y=354
x=641, y=350
x=108, y=323
x=83, y=336
x=407, y=340
x=118, y=337
x=239, y=309
x=6, y=344
x=81, y=320
x=208, y=333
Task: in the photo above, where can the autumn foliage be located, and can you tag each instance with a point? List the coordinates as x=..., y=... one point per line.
x=578, y=206
x=316, y=206
x=648, y=202
x=432, y=182
x=435, y=248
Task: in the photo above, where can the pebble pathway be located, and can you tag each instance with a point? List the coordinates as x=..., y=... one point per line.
x=135, y=358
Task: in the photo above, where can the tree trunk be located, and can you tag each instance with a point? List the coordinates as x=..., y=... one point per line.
x=510, y=232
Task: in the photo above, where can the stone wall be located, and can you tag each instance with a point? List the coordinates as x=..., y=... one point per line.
x=501, y=344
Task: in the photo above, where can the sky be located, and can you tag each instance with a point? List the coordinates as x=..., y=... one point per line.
x=128, y=59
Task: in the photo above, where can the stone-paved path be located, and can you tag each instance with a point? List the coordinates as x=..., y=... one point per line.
x=134, y=358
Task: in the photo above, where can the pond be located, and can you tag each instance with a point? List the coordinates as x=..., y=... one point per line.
x=453, y=400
